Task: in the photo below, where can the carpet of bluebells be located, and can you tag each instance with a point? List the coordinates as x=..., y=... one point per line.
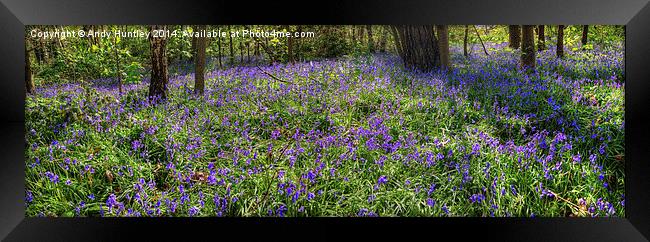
x=350, y=136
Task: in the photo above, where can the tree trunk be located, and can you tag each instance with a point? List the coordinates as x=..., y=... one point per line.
x=382, y=41
x=248, y=49
x=465, y=41
x=361, y=33
x=515, y=36
x=371, y=42
x=248, y=52
x=398, y=46
x=159, y=79
x=241, y=51
x=419, y=47
x=268, y=51
x=219, y=55
x=289, y=46
x=199, y=63
x=528, y=47
x=232, y=52
x=585, y=34
x=443, y=45
x=541, y=39
x=298, y=44
x=44, y=55
x=60, y=40
x=39, y=50
x=560, y=41
x=193, y=45
x=29, y=80
x=117, y=66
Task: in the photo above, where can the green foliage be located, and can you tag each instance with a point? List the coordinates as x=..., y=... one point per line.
x=83, y=59
x=179, y=47
x=133, y=73
x=330, y=42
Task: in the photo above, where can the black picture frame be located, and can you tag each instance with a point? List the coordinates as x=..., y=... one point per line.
x=15, y=14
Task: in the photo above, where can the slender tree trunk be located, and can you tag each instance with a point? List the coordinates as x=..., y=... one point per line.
x=29, y=80
x=443, y=45
x=117, y=60
x=182, y=46
x=560, y=41
x=241, y=51
x=361, y=32
x=219, y=53
x=38, y=48
x=382, y=41
x=419, y=47
x=465, y=41
x=193, y=46
x=585, y=34
x=248, y=50
x=541, y=39
x=289, y=45
x=86, y=29
x=515, y=36
x=266, y=50
x=528, y=47
x=43, y=50
x=98, y=39
x=299, y=44
x=159, y=78
x=371, y=42
x=398, y=45
x=52, y=50
x=199, y=63
x=59, y=40
x=232, y=52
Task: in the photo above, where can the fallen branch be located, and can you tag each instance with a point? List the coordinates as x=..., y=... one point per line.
x=565, y=200
x=272, y=76
x=479, y=38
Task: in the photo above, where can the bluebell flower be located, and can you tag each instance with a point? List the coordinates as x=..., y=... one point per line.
x=362, y=212
x=445, y=209
x=476, y=148
x=576, y=158
x=54, y=178
x=275, y=134
x=193, y=211
x=28, y=197
x=432, y=188
x=382, y=180
x=281, y=210
x=476, y=198
x=430, y=202
x=371, y=198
